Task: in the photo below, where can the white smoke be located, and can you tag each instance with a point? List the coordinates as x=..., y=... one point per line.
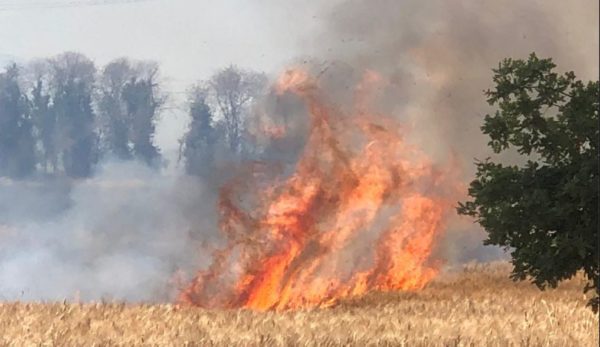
x=121, y=235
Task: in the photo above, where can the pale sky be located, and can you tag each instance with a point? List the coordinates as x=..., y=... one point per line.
x=189, y=38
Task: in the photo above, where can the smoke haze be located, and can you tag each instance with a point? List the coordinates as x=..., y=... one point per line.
x=437, y=57
x=121, y=235
x=124, y=233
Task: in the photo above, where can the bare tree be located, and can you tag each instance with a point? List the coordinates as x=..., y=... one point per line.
x=144, y=100
x=233, y=89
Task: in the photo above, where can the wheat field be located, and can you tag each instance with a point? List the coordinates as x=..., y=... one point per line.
x=474, y=306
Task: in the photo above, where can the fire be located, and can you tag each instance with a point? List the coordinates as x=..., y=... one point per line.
x=362, y=211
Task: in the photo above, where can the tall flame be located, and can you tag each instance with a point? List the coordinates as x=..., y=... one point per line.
x=361, y=212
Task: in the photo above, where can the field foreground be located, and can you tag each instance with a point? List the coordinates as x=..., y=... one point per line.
x=476, y=306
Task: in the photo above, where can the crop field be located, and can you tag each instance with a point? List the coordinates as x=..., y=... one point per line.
x=473, y=306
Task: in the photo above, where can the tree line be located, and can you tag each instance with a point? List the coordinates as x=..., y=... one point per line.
x=63, y=115
x=59, y=116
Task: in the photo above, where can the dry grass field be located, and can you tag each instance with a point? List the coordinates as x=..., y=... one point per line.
x=476, y=306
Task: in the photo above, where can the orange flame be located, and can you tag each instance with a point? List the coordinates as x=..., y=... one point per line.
x=361, y=212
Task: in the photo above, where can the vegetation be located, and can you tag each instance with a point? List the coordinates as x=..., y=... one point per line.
x=16, y=139
x=461, y=308
x=198, y=144
x=60, y=116
x=128, y=103
x=545, y=211
x=218, y=110
x=72, y=82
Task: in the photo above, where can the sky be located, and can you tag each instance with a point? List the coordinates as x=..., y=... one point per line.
x=190, y=39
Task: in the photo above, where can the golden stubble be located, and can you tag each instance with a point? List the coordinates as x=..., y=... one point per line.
x=473, y=306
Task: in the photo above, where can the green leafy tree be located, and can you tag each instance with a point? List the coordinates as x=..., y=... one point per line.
x=17, y=153
x=143, y=105
x=546, y=210
x=129, y=102
x=112, y=113
x=73, y=77
x=43, y=117
x=198, y=144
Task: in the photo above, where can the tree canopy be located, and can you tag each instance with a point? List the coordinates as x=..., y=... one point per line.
x=17, y=156
x=61, y=116
x=220, y=109
x=546, y=210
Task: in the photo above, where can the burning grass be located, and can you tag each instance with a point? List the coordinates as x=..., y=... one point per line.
x=475, y=306
x=361, y=212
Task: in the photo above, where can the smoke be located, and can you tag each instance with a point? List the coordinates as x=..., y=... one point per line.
x=125, y=233
x=121, y=235
x=437, y=57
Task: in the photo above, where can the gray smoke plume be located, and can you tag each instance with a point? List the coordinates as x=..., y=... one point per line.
x=437, y=56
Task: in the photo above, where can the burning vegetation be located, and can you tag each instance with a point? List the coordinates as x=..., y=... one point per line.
x=361, y=212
